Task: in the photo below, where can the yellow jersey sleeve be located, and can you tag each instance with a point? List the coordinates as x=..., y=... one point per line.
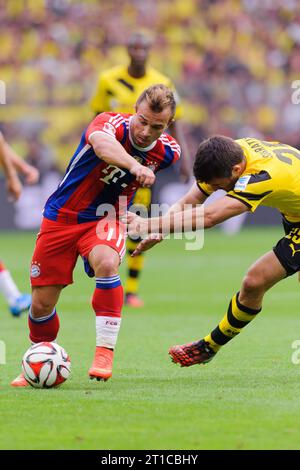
x=205, y=188
x=99, y=102
x=253, y=189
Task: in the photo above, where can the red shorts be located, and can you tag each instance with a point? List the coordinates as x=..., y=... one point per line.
x=58, y=246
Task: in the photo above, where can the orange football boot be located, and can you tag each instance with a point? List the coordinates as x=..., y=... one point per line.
x=102, y=365
x=20, y=381
x=133, y=300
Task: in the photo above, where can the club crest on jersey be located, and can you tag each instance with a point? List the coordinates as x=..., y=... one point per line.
x=35, y=270
x=241, y=183
x=153, y=166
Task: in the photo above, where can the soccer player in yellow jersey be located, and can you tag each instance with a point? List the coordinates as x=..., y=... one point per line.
x=253, y=173
x=117, y=90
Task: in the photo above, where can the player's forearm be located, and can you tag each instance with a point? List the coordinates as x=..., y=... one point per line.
x=180, y=221
x=19, y=164
x=200, y=217
x=6, y=161
x=112, y=152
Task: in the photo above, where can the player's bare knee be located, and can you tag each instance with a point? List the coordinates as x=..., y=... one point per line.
x=253, y=283
x=106, y=267
x=41, y=307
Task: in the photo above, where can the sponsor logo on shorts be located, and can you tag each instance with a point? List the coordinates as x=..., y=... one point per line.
x=293, y=249
x=35, y=270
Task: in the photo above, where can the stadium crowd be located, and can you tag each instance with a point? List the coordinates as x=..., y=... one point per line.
x=233, y=63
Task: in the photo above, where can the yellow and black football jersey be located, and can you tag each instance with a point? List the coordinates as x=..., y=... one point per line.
x=271, y=178
x=118, y=91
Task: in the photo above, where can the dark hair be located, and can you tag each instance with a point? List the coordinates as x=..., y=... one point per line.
x=139, y=37
x=158, y=98
x=216, y=157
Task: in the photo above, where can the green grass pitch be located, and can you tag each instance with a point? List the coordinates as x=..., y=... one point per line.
x=246, y=398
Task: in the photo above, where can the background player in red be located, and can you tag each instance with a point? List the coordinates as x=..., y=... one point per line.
x=117, y=154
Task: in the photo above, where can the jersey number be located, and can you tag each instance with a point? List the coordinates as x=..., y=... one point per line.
x=281, y=152
x=113, y=175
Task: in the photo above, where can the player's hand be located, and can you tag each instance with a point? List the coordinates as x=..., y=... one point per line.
x=14, y=187
x=136, y=226
x=152, y=240
x=144, y=176
x=31, y=174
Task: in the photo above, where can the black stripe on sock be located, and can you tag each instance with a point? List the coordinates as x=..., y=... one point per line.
x=218, y=337
x=234, y=321
x=134, y=273
x=251, y=311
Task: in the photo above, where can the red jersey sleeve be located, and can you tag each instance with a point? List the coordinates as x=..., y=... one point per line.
x=107, y=124
x=177, y=150
x=171, y=150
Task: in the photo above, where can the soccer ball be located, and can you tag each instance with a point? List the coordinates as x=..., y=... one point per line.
x=46, y=365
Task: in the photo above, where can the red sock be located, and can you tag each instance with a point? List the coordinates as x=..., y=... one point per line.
x=107, y=302
x=108, y=297
x=43, y=329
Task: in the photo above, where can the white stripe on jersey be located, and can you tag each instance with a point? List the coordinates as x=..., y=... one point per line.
x=118, y=125
x=110, y=234
x=115, y=119
x=173, y=145
x=122, y=252
x=75, y=161
x=119, y=240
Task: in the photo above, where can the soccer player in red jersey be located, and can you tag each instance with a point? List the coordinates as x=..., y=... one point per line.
x=118, y=153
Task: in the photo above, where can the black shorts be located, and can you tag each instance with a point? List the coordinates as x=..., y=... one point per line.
x=287, y=249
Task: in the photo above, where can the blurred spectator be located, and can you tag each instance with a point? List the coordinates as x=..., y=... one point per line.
x=233, y=62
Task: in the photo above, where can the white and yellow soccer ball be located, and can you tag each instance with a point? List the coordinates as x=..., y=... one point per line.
x=46, y=365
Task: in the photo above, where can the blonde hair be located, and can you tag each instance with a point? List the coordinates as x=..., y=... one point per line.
x=158, y=98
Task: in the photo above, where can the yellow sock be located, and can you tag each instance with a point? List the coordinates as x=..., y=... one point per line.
x=236, y=318
x=135, y=266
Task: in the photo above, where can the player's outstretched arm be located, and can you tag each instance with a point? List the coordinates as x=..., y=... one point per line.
x=14, y=185
x=187, y=220
x=112, y=152
x=30, y=173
